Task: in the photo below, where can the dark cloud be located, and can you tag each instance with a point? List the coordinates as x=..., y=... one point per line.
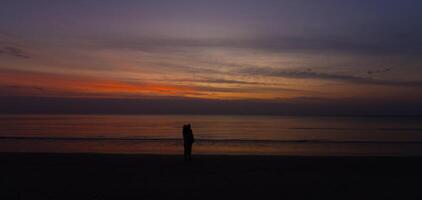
x=14, y=51
x=228, y=81
x=224, y=81
x=371, y=72
x=19, y=90
x=309, y=74
x=23, y=87
x=254, y=89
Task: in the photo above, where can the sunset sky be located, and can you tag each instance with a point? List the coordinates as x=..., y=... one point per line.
x=362, y=52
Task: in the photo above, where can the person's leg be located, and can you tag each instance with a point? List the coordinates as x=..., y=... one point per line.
x=186, y=152
x=190, y=152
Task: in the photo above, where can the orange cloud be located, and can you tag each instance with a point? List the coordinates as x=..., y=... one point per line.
x=59, y=84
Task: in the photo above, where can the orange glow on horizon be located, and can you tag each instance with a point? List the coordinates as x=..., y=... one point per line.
x=30, y=83
x=61, y=85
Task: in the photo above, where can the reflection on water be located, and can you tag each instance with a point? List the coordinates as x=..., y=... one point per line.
x=157, y=134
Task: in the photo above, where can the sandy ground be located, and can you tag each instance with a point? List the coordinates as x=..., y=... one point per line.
x=106, y=176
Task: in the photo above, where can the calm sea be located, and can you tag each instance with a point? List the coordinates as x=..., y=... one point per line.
x=161, y=134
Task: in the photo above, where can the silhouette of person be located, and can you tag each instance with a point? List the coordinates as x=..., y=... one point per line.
x=188, y=140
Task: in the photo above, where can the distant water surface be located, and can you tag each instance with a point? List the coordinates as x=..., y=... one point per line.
x=161, y=134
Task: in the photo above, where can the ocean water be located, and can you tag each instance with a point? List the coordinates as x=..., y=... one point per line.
x=250, y=135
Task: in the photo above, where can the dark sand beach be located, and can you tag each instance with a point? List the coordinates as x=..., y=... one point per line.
x=116, y=176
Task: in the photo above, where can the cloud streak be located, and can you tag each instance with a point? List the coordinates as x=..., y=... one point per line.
x=309, y=74
x=14, y=51
x=378, y=71
x=384, y=45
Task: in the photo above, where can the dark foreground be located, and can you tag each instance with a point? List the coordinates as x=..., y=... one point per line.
x=90, y=176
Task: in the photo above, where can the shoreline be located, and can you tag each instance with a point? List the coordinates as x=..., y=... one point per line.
x=201, y=155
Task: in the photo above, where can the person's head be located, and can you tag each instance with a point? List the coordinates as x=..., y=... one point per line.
x=188, y=126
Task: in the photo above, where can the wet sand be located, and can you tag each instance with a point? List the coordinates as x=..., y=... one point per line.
x=118, y=176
